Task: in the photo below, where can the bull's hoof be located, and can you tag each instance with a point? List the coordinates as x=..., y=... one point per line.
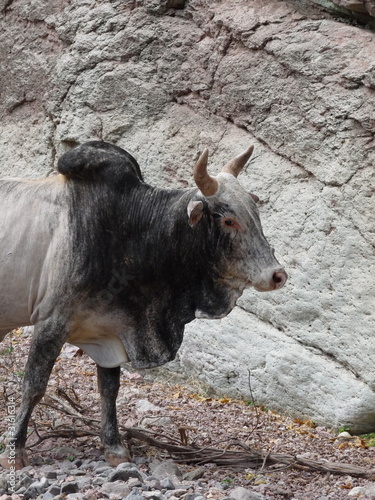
x=14, y=460
x=117, y=455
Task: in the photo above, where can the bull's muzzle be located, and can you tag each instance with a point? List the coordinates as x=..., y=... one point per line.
x=272, y=280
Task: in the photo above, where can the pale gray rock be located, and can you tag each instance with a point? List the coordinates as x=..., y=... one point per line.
x=136, y=494
x=124, y=474
x=349, y=6
x=165, y=79
x=166, y=470
x=143, y=406
x=37, y=488
x=241, y=493
x=167, y=483
x=117, y=487
x=365, y=492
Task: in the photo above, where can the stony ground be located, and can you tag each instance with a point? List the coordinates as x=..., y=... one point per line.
x=67, y=461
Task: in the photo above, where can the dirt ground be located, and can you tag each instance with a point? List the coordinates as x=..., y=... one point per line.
x=70, y=412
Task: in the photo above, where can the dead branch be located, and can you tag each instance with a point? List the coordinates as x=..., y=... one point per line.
x=246, y=459
x=62, y=433
x=64, y=408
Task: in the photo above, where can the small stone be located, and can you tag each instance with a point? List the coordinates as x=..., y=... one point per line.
x=48, y=496
x=51, y=474
x=125, y=474
x=64, y=452
x=192, y=496
x=55, y=489
x=166, y=470
x=103, y=471
x=134, y=482
x=21, y=491
x=193, y=475
x=87, y=464
x=153, y=483
x=345, y=436
x=117, y=487
x=84, y=483
x=178, y=492
x=355, y=492
x=125, y=465
x=71, y=487
x=135, y=495
x=140, y=460
x=97, y=465
x=37, y=488
x=241, y=493
x=159, y=421
x=153, y=495
x=92, y=494
x=98, y=481
x=25, y=480
x=144, y=406
x=167, y=483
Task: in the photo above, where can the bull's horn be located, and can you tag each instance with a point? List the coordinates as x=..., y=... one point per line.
x=207, y=184
x=235, y=166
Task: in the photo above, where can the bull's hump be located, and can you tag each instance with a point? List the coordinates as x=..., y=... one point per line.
x=97, y=160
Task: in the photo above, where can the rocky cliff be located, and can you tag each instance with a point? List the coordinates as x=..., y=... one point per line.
x=166, y=78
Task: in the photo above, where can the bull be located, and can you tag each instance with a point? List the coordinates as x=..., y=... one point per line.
x=96, y=257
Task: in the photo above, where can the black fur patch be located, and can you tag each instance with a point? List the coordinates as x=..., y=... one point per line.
x=96, y=159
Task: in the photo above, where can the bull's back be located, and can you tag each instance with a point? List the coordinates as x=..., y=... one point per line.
x=32, y=218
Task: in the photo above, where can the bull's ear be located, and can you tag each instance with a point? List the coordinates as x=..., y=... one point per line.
x=195, y=212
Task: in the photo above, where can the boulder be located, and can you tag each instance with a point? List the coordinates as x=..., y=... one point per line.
x=165, y=79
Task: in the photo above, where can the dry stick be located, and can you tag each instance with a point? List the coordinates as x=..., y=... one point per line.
x=63, y=433
x=189, y=454
x=61, y=393
x=66, y=409
x=234, y=457
x=254, y=405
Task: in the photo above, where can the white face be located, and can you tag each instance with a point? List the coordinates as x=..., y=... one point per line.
x=249, y=259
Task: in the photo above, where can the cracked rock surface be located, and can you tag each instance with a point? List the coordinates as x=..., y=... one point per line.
x=164, y=79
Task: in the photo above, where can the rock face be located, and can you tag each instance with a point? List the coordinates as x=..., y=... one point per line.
x=164, y=79
x=349, y=6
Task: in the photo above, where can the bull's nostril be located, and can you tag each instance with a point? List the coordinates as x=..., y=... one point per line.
x=279, y=278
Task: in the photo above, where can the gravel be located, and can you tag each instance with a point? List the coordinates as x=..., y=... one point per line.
x=74, y=468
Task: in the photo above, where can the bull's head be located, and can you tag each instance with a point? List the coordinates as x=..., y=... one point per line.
x=251, y=260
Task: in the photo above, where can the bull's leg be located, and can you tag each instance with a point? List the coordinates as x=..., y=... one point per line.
x=45, y=347
x=109, y=384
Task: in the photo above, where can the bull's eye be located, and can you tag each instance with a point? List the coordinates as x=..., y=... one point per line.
x=232, y=223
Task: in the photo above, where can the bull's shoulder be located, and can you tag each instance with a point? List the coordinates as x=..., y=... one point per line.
x=98, y=160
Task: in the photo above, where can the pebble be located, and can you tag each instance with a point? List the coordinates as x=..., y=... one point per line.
x=241, y=493
x=125, y=474
x=95, y=480
x=167, y=484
